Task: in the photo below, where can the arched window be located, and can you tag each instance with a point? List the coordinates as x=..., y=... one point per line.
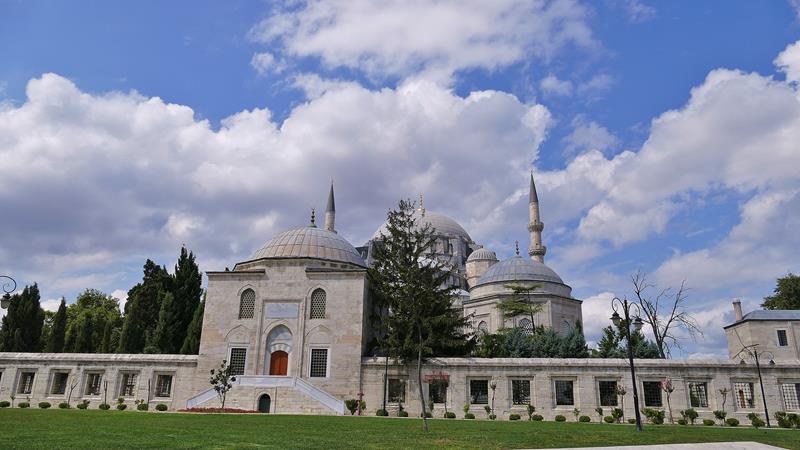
x=526, y=325
x=483, y=327
x=317, y=304
x=247, y=304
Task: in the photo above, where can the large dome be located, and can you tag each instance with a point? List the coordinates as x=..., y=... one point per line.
x=310, y=242
x=482, y=254
x=442, y=224
x=518, y=269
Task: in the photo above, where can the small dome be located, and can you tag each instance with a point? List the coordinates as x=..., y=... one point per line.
x=518, y=269
x=310, y=242
x=443, y=225
x=482, y=254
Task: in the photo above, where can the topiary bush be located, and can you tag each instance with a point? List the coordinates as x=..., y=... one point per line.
x=537, y=418
x=560, y=418
x=121, y=406
x=585, y=419
x=608, y=419
x=690, y=415
x=105, y=406
x=682, y=422
x=24, y=405
x=655, y=416
x=756, y=421
x=732, y=422
x=631, y=421
x=5, y=404
x=427, y=415
x=402, y=414
x=449, y=415
x=63, y=405
x=794, y=419
x=720, y=415
x=44, y=405
x=161, y=407
x=513, y=417
x=352, y=405
x=142, y=406
x=83, y=405
x=708, y=422
x=382, y=413
x=617, y=414
x=469, y=416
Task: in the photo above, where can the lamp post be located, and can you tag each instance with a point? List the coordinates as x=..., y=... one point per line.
x=8, y=287
x=625, y=305
x=752, y=351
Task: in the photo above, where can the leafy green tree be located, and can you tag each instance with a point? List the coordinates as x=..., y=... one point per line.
x=108, y=333
x=191, y=345
x=413, y=285
x=142, y=308
x=520, y=302
x=21, y=329
x=55, y=341
x=100, y=310
x=786, y=294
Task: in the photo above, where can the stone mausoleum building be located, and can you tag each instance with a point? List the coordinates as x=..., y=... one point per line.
x=293, y=322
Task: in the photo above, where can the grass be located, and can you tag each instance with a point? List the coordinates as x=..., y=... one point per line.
x=35, y=428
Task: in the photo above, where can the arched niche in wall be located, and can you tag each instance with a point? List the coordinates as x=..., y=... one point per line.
x=279, y=351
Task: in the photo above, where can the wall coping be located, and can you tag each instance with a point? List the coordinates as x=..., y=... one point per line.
x=549, y=363
x=96, y=358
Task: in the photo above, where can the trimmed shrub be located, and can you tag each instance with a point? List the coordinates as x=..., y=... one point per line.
x=682, y=422
x=631, y=421
x=382, y=413
x=492, y=416
x=449, y=415
x=608, y=419
x=24, y=405
x=720, y=415
x=352, y=405
x=655, y=416
x=143, y=406
x=732, y=422
x=105, y=406
x=161, y=407
x=794, y=419
x=617, y=414
x=708, y=422
x=690, y=415
x=560, y=418
x=121, y=406
x=756, y=421
x=537, y=418
x=427, y=415
x=83, y=405
x=402, y=414
x=5, y=404
x=63, y=405
x=585, y=419
x=469, y=416
x=44, y=405
x=513, y=417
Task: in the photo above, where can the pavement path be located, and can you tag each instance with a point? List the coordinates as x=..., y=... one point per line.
x=709, y=446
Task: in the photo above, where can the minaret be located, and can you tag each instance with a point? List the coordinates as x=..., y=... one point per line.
x=535, y=226
x=330, y=212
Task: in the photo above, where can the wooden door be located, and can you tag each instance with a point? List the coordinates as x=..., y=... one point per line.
x=278, y=363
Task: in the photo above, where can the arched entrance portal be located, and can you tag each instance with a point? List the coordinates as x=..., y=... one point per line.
x=264, y=403
x=278, y=362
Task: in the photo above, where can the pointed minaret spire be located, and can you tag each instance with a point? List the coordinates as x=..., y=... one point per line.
x=535, y=226
x=330, y=212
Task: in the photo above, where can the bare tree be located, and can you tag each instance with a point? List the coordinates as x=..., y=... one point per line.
x=665, y=313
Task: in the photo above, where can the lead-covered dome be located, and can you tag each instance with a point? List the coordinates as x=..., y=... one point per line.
x=519, y=269
x=310, y=242
x=482, y=254
x=443, y=225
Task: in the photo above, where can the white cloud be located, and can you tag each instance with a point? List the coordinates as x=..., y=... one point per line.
x=594, y=87
x=551, y=85
x=122, y=296
x=394, y=38
x=263, y=62
x=588, y=136
x=639, y=12
x=51, y=304
x=788, y=61
x=596, y=314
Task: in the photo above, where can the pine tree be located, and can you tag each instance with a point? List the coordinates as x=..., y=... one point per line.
x=142, y=308
x=22, y=326
x=186, y=292
x=55, y=343
x=574, y=344
x=191, y=345
x=165, y=337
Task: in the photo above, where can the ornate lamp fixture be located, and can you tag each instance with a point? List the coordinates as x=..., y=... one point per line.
x=8, y=287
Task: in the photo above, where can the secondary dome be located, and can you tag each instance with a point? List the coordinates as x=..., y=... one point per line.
x=443, y=225
x=482, y=254
x=310, y=242
x=518, y=269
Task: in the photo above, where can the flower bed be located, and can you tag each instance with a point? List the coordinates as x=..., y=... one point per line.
x=219, y=410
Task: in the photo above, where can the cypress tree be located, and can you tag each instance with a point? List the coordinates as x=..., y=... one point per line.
x=165, y=337
x=83, y=338
x=22, y=326
x=105, y=343
x=191, y=345
x=55, y=344
x=143, y=308
x=187, y=291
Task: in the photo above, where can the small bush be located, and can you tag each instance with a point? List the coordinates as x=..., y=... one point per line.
x=585, y=419
x=427, y=415
x=560, y=418
x=794, y=419
x=121, y=406
x=5, y=404
x=690, y=415
x=617, y=414
x=351, y=405
x=449, y=415
x=142, y=406
x=24, y=405
x=105, y=406
x=487, y=409
x=537, y=418
x=469, y=416
x=608, y=419
x=682, y=422
x=492, y=416
x=63, y=405
x=708, y=422
x=631, y=421
x=732, y=422
x=720, y=415
x=83, y=405
x=655, y=416
x=161, y=407
x=756, y=421
x=402, y=414
x=44, y=405
x=513, y=417
x=382, y=413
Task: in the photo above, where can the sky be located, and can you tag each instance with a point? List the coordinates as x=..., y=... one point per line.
x=664, y=136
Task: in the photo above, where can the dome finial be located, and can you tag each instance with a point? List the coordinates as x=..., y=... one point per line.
x=313, y=223
x=516, y=243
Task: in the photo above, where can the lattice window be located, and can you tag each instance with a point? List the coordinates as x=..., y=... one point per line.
x=318, y=298
x=564, y=393
x=437, y=391
x=608, y=393
x=319, y=363
x=128, y=388
x=93, y=381
x=238, y=359
x=479, y=392
x=59, y=383
x=26, y=382
x=783, y=340
x=163, y=385
x=791, y=396
x=397, y=390
x=521, y=392
x=483, y=327
x=698, y=395
x=526, y=325
x=743, y=395
x=652, y=394
x=247, y=304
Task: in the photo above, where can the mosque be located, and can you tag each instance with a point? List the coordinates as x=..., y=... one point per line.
x=292, y=321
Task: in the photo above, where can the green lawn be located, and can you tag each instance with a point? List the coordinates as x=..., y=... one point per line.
x=32, y=428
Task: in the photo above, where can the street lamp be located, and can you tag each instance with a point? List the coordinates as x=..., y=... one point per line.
x=616, y=303
x=752, y=351
x=8, y=287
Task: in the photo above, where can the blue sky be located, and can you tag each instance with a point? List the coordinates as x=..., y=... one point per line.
x=662, y=135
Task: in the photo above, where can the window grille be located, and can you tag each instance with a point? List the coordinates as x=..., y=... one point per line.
x=238, y=359
x=783, y=341
x=319, y=363
x=483, y=327
x=26, y=383
x=163, y=385
x=479, y=392
x=93, y=384
x=526, y=325
x=247, y=304
x=791, y=396
x=521, y=392
x=397, y=390
x=652, y=394
x=564, y=392
x=317, y=304
x=608, y=393
x=743, y=394
x=437, y=391
x=59, y=383
x=128, y=388
x=698, y=395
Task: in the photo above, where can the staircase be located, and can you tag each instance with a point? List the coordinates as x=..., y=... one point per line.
x=265, y=381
